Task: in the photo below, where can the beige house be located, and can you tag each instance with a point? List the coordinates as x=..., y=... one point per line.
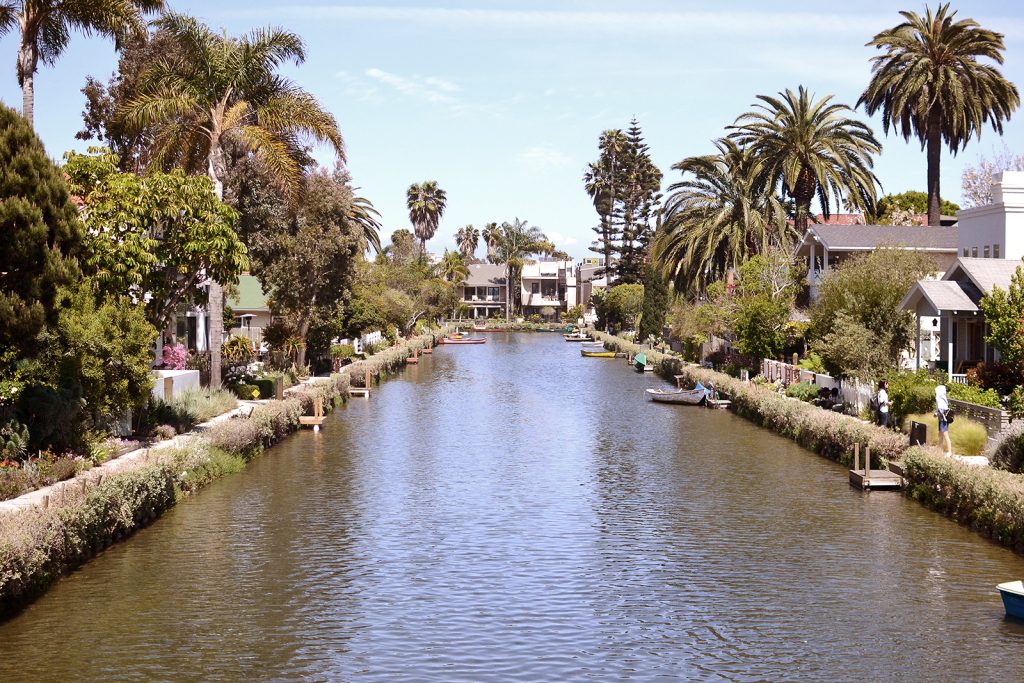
x=484, y=291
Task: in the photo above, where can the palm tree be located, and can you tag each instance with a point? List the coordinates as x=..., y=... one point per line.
x=719, y=218
x=603, y=181
x=491, y=235
x=366, y=217
x=452, y=267
x=219, y=90
x=517, y=240
x=810, y=149
x=467, y=239
x=426, y=203
x=930, y=84
x=46, y=28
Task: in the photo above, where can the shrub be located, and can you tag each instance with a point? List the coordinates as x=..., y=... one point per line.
x=175, y=356
x=986, y=499
x=805, y=391
x=1015, y=403
x=976, y=395
x=245, y=391
x=192, y=407
x=909, y=393
x=237, y=436
x=164, y=432
x=999, y=376
x=967, y=436
x=1008, y=451
x=13, y=440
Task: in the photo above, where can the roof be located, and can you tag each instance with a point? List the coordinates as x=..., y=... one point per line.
x=866, y=237
x=485, y=275
x=985, y=273
x=250, y=296
x=941, y=295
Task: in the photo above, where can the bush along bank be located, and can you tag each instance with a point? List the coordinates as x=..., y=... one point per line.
x=40, y=544
x=988, y=500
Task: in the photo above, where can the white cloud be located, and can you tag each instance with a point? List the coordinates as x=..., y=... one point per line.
x=420, y=88
x=542, y=158
x=561, y=240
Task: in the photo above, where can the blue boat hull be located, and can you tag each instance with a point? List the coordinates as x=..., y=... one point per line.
x=1014, y=603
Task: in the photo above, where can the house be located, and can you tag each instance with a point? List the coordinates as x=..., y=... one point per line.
x=590, y=278
x=484, y=291
x=548, y=287
x=990, y=247
x=824, y=247
x=250, y=308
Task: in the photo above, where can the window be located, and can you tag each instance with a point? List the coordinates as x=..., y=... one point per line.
x=967, y=252
x=995, y=251
x=987, y=254
x=974, y=252
x=534, y=287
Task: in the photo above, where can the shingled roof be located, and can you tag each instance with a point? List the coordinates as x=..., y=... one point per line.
x=866, y=237
x=986, y=273
x=485, y=275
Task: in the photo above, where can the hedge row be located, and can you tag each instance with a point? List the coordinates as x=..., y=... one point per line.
x=988, y=500
x=38, y=545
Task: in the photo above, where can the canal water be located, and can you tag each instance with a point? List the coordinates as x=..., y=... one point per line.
x=514, y=512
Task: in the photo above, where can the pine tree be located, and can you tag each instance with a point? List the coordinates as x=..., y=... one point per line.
x=640, y=195
x=41, y=236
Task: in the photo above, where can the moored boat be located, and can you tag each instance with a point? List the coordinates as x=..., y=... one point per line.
x=640, y=363
x=480, y=327
x=587, y=353
x=461, y=339
x=577, y=337
x=592, y=345
x=691, y=397
x=1012, y=593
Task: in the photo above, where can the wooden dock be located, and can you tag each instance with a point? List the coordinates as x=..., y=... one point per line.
x=718, y=403
x=316, y=419
x=867, y=478
x=363, y=391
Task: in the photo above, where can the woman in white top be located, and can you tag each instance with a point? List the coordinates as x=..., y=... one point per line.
x=942, y=411
x=883, y=403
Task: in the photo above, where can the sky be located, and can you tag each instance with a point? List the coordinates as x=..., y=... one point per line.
x=502, y=102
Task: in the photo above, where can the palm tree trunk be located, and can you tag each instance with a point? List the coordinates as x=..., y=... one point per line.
x=215, y=303
x=934, y=142
x=26, y=76
x=803, y=195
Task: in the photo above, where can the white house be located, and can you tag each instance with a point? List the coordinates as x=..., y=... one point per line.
x=548, y=284
x=990, y=248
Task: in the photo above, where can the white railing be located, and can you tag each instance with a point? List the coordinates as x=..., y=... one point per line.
x=958, y=379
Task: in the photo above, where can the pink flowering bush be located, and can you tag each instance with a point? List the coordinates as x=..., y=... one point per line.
x=175, y=356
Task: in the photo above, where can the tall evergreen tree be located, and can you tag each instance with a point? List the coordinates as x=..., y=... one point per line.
x=640, y=195
x=603, y=181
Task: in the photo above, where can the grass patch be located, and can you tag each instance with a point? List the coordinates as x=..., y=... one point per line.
x=967, y=436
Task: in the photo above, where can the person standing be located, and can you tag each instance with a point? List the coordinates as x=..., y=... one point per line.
x=942, y=412
x=883, y=403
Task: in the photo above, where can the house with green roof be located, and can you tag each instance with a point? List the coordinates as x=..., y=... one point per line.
x=251, y=309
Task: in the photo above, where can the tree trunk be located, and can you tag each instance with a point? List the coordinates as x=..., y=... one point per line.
x=215, y=303
x=934, y=142
x=803, y=195
x=302, y=329
x=26, y=77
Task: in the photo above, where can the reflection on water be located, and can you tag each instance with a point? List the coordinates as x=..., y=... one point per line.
x=512, y=511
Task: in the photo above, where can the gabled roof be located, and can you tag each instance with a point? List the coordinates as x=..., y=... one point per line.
x=941, y=295
x=985, y=273
x=485, y=275
x=867, y=237
x=250, y=295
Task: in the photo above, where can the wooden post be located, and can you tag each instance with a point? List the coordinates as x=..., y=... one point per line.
x=867, y=461
x=366, y=376
x=279, y=388
x=168, y=389
x=856, y=456
x=46, y=502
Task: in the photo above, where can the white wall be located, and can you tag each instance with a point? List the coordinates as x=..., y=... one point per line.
x=1000, y=223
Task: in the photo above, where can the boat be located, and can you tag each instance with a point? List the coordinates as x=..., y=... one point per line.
x=586, y=353
x=641, y=364
x=461, y=339
x=576, y=337
x=480, y=327
x=592, y=344
x=691, y=397
x=1012, y=593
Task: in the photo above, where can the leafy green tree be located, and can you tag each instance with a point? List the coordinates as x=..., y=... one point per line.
x=1004, y=316
x=42, y=236
x=403, y=247
x=215, y=90
x=102, y=350
x=932, y=83
x=307, y=265
x=155, y=237
x=426, y=203
x=851, y=349
x=718, y=219
x=467, y=239
x=46, y=29
x=912, y=201
x=517, y=241
x=868, y=289
x=810, y=149
x=759, y=322
x=655, y=306
x=620, y=306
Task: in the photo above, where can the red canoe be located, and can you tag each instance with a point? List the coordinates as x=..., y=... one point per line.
x=446, y=340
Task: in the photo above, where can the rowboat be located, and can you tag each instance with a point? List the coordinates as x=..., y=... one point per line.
x=597, y=354
x=461, y=340
x=575, y=337
x=592, y=344
x=641, y=364
x=692, y=397
x=1012, y=593
x=480, y=327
